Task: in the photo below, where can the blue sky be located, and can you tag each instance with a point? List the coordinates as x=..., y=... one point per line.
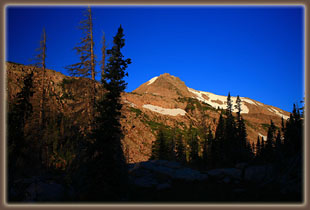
x=251, y=51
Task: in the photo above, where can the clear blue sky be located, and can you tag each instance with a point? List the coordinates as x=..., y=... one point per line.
x=255, y=52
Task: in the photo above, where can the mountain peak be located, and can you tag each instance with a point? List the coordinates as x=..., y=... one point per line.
x=165, y=85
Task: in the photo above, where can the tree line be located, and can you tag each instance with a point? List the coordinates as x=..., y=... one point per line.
x=42, y=140
x=229, y=145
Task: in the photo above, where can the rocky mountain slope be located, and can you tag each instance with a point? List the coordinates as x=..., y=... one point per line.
x=163, y=101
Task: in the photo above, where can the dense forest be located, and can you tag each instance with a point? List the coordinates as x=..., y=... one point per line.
x=84, y=153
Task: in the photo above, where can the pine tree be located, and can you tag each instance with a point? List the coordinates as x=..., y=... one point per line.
x=263, y=145
x=229, y=105
x=219, y=132
x=103, y=50
x=180, y=149
x=293, y=132
x=207, y=149
x=217, y=147
x=238, y=107
x=258, y=147
x=270, y=136
x=107, y=131
x=231, y=150
x=194, y=147
x=19, y=113
x=278, y=141
x=86, y=66
x=159, y=148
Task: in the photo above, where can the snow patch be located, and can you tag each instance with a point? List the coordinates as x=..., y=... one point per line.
x=285, y=117
x=152, y=80
x=130, y=103
x=212, y=98
x=261, y=135
x=165, y=111
x=248, y=101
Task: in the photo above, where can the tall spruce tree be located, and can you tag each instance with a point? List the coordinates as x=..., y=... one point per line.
x=194, y=148
x=217, y=147
x=19, y=113
x=258, y=147
x=103, y=51
x=270, y=136
x=180, y=149
x=231, y=151
x=107, y=133
x=241, y=129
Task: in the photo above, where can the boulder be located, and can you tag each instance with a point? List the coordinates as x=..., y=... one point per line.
x=221, y=173
x=261, y=174
x=188, y=174
x=161, y=173
x=38, y=189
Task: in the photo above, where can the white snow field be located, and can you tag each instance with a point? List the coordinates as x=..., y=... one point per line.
x=212, y=98
x=158, y=109
x=152, y=80
x=261, y=135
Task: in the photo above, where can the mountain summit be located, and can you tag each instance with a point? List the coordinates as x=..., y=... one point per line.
x=170, y=86
x=165, y=85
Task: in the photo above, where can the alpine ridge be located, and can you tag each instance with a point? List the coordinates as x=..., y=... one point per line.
x=164, y=100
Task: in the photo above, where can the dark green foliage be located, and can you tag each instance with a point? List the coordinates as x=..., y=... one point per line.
x=137, y=111
x=192, y=104
x=160, y=150
x=278, y=140
x=258, y=146
x=279, y=147
x=19, y=112
x=229, y=105
x=108, y=157
x=230, y=145
x=180, y=149
x=193, y=147
x=208, y=147
x=270, y=136
x=293, y=133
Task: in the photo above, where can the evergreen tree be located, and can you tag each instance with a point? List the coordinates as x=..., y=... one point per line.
x=159, y=148
x=258, y=147
x=293, y=132
x=19, y=112
x=194, y=148
x=270, y=136
x=229, y=105
x=103, y=50
x=172, y=147
x=241, y=129
x=269, y=150
x=278, y=141
x=263, y=145
x=238, y=107
x=217, y=147
x=207, y=146
x=180, y=149
x=219, y=132
x=231, y=150
x=111, y=170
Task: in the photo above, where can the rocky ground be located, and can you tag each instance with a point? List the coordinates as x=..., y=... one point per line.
x=166, y=181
